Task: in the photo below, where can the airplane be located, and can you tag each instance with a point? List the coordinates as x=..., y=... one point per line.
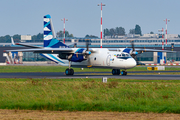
x=110, y=58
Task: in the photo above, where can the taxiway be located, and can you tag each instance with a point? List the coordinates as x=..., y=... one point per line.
x=59, y=75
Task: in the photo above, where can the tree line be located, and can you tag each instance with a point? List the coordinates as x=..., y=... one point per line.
x=35, y=38
x=120, y=31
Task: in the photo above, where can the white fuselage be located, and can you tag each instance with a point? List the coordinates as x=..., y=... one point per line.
x=102, y=58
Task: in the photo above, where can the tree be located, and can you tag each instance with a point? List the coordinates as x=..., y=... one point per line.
x=7, y=38
x=90, y=36
x=61, y=34
x=106, y=32
x=132, y=31
x=121, y=31
x=138, y=29
x=71, y=35
x=112, y=32
x=16, y=38
x=37, y=37
x=151, y=32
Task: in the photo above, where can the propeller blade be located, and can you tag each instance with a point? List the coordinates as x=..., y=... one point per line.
x=87, y=44
x=132, y=45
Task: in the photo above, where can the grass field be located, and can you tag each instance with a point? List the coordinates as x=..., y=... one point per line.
x=161, y=96
x=58, y=68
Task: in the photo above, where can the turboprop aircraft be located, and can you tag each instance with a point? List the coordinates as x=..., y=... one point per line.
x=111, y=58
x=79, y=57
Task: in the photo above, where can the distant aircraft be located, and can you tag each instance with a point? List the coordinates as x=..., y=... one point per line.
x=54, y=50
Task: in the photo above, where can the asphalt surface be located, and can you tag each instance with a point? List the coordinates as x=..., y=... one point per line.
x=60, y=75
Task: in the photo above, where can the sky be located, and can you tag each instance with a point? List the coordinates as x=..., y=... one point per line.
x=25, y=17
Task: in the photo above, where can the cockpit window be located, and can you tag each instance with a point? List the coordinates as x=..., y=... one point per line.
x=127, y=55
x=123, y=56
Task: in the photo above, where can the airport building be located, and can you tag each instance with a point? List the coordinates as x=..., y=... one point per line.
x=147, y=41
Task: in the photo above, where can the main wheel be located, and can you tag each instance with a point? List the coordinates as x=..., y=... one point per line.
x=115, y=71
x=118, y=72
x=69, y=71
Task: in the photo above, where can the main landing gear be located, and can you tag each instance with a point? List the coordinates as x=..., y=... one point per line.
x=69, y=71
x=117, y=72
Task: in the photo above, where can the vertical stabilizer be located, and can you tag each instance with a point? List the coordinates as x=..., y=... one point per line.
x=49, y=34
x=12, y=41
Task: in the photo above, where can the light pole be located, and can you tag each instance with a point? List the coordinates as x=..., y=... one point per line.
x=166, y=28
x=101, y=21
x=64, y=27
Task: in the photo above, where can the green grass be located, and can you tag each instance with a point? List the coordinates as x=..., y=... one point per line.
x=159, y=96
x=58, y=68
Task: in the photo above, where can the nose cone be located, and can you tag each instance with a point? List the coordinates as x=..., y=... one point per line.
x=130, y=63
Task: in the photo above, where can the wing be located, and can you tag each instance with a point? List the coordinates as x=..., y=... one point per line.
x=139, y=50
x=52, y=50
x=44, y=50
x=151, y=50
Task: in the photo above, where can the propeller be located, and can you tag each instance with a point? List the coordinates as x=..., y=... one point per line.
x=134, y=53
x=87, y=51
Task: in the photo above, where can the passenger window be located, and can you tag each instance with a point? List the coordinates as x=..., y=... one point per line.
x=95, y=58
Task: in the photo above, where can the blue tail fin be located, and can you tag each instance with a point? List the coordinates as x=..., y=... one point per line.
x=49, y=34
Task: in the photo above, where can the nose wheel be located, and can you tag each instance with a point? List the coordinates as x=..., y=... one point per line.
x=123, y=73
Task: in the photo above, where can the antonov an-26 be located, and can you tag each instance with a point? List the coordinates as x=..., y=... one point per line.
x=54, y=50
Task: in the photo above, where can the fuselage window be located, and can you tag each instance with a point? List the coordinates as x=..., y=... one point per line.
x=95, y=58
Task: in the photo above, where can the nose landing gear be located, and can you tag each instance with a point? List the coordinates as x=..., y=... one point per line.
x=124, y=73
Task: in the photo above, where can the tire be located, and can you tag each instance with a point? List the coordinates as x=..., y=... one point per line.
x=71, y=72
x=114, y=71
x=123, y=73
x=67, y=71
x=118, y=72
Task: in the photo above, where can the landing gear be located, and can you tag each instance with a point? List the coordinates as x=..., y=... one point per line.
x=69, y=71
x=124, y=73
x=115, y=71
